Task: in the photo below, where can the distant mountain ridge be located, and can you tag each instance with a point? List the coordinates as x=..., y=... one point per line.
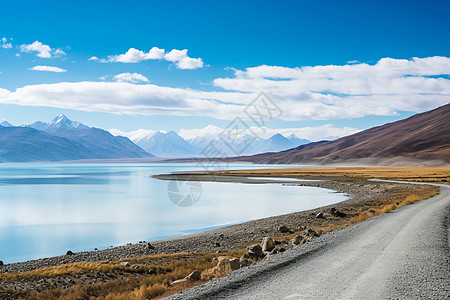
x=58, y=123
x=422, y=136
x=168, y=144
x=6, y=124
x=171, y=144
x=63, y=139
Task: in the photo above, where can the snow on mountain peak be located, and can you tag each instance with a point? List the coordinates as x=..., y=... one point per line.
x=60, y=119
x=6, y=124
x=60, y=122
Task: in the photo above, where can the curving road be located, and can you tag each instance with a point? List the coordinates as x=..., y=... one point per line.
x=399, y=255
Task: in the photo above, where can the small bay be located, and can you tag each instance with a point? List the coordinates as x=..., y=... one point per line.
x=47, y=209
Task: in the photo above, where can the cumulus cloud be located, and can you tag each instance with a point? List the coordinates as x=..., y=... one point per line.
x=126, y=98
x=134, y=56
x=303, y=93
x=130, y=77
x=5, y=44
x=182, y=60
x=47, y=69
x=352, y=90
x=178, y=57
x=58, y=52
x=93, y=58
x=42, y=50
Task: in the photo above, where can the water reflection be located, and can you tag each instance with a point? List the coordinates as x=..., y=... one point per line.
x=47, y=209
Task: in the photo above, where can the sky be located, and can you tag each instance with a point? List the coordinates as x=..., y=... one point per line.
x=330, y=68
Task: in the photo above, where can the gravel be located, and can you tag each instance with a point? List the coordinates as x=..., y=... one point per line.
x=399, y=255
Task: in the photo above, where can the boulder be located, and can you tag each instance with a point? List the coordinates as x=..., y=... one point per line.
x=134, y=267
x=150, y=246
x=283, y=229
x=180, y=281
x=69, y=253
x=311, y=233
x=235, y=263
x=257, y=250
x=337, y=213
x=1, y=263
x=194, y=276
x=267, y=244
x=245, y=261
x=125, y=264
x=250, y=255
x=297, y=240
x=151, y=272
x=227, y=265
x=320, y=215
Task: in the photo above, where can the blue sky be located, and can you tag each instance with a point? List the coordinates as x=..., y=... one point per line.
x=369, y=46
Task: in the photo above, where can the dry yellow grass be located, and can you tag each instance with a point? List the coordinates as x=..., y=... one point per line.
x=381, y=206
x=135, y=284
x=423, y=174
x=129, y=283
x=404, y=197
x=86, y=267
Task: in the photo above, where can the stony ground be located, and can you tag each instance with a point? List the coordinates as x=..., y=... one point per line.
x=222, y=239
x=399, y=255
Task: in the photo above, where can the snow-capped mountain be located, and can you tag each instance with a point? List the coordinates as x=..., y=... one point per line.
x=6, y=124
x=58, y=123
x=168, y=144
x=295, y=140
x=171, y=144
x=63, y=139
x=275, y=143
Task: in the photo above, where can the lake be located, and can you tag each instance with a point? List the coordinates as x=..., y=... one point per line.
x=47, y=209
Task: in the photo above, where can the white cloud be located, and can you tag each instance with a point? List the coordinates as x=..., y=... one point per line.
x=126, y=98
x=356, y=90
x=130, y=77
x=304, y=93
x=182, y=60
x=47, y=69
x=58, y=52
x=5, y=44
x=178, y=57
x=134, y=56
x=93, y=58
x=43, y=51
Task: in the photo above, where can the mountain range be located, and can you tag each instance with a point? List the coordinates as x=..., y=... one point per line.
x=62, y=139
x=421, y=136
x=171, y=144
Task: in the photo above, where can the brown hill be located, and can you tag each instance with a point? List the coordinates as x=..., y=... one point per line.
x=422, y=136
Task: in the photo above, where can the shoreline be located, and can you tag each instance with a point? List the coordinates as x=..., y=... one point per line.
x=231, y=237
x=159, y=266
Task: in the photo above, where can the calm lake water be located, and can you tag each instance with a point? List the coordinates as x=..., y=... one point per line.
x=47, y=209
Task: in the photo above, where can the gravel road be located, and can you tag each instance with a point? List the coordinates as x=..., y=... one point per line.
x=399, y=255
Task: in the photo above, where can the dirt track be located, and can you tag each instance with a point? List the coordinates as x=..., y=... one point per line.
x=399, y=255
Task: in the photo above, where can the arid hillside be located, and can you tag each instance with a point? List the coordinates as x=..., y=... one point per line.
x=422, y=136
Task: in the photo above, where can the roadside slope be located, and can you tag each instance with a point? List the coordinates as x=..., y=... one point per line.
x=403, y=254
